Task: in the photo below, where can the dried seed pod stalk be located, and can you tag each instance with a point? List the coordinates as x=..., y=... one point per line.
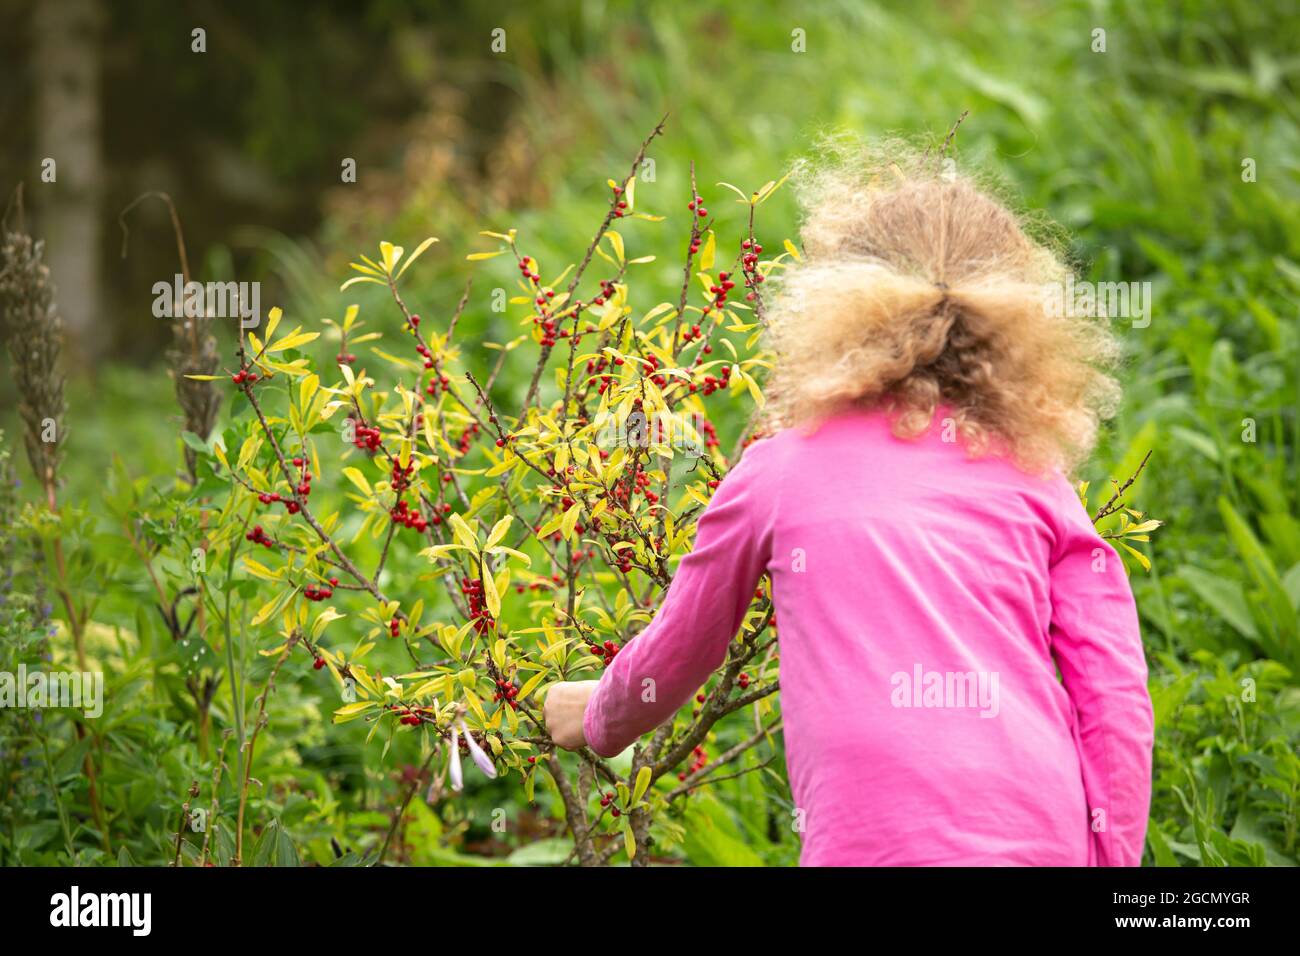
x=194, y=349
x=194, y=352
x=34, y=331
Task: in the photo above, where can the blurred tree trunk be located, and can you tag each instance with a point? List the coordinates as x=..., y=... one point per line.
x=66, y=47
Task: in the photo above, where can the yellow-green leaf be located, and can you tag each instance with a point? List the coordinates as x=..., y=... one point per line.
x=352, y=711
x=616, y=243
x=530, y=685
x=307, y=389
x=358, y=479
x=1138, y=556
x=570, y=521
x=356, y=279
x=642, y=783
x=259, y=570
x=491, y=596
x=500, y=528
x=293, y=341
x=709, y=251
x=416, y=254
x=462, y=531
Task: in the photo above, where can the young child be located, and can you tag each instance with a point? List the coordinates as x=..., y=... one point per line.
x=931, y=565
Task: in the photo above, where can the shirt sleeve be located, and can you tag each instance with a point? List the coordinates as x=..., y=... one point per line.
x=661, y=668
x=1098, y=649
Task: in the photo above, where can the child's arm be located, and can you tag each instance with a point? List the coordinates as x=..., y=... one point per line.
x=1098, y=648
x=659, y=670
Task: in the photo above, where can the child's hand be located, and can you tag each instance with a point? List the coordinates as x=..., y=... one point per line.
x=566, y=703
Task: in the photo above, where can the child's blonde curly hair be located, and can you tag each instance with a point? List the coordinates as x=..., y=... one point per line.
x=917, y=288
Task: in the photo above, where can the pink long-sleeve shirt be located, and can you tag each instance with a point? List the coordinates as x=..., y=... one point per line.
x=925, y=602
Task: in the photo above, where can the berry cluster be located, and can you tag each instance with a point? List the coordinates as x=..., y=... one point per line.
x=620, y=207
x=410, y=716
x=607, y=290
x=303, y=488
x=365, y=437
x=242, y=376
x=597, y=366
x=749, y=265
x=547, y=323
x=710, y=441
x=526, y=268
x=313, y=593
x=607, y=800
x=401, y=477
x=304, y=477
x=696, y=205
x=472, y=588
x=543, y=319
x=532, y=586
x=258, y=536
x=719, y=292
x=436, y=383
x=651, y=362
x=402, y=513
x=743, y=681
x=466, y=440
x=641, y=483
x=607, y=651
x=699, y=761
x=345, y=358
x=717, y=383
x=507, y=691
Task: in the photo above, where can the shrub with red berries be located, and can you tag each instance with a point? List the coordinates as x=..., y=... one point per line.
x=505, y=538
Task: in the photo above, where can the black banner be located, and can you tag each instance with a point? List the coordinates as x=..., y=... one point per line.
x=335, y=906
